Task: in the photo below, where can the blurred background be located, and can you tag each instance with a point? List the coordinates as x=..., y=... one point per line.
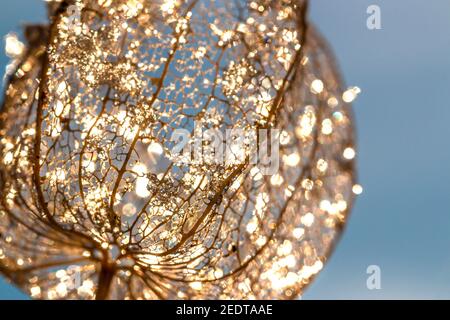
x=401, y=223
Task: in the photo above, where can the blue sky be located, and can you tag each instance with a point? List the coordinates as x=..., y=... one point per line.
x=402, y=221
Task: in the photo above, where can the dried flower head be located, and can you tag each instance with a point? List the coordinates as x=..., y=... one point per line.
x=94, y=205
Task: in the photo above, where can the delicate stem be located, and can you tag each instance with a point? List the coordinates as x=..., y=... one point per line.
x=104, y=282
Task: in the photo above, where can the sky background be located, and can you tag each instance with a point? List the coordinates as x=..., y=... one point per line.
x=402, y=221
